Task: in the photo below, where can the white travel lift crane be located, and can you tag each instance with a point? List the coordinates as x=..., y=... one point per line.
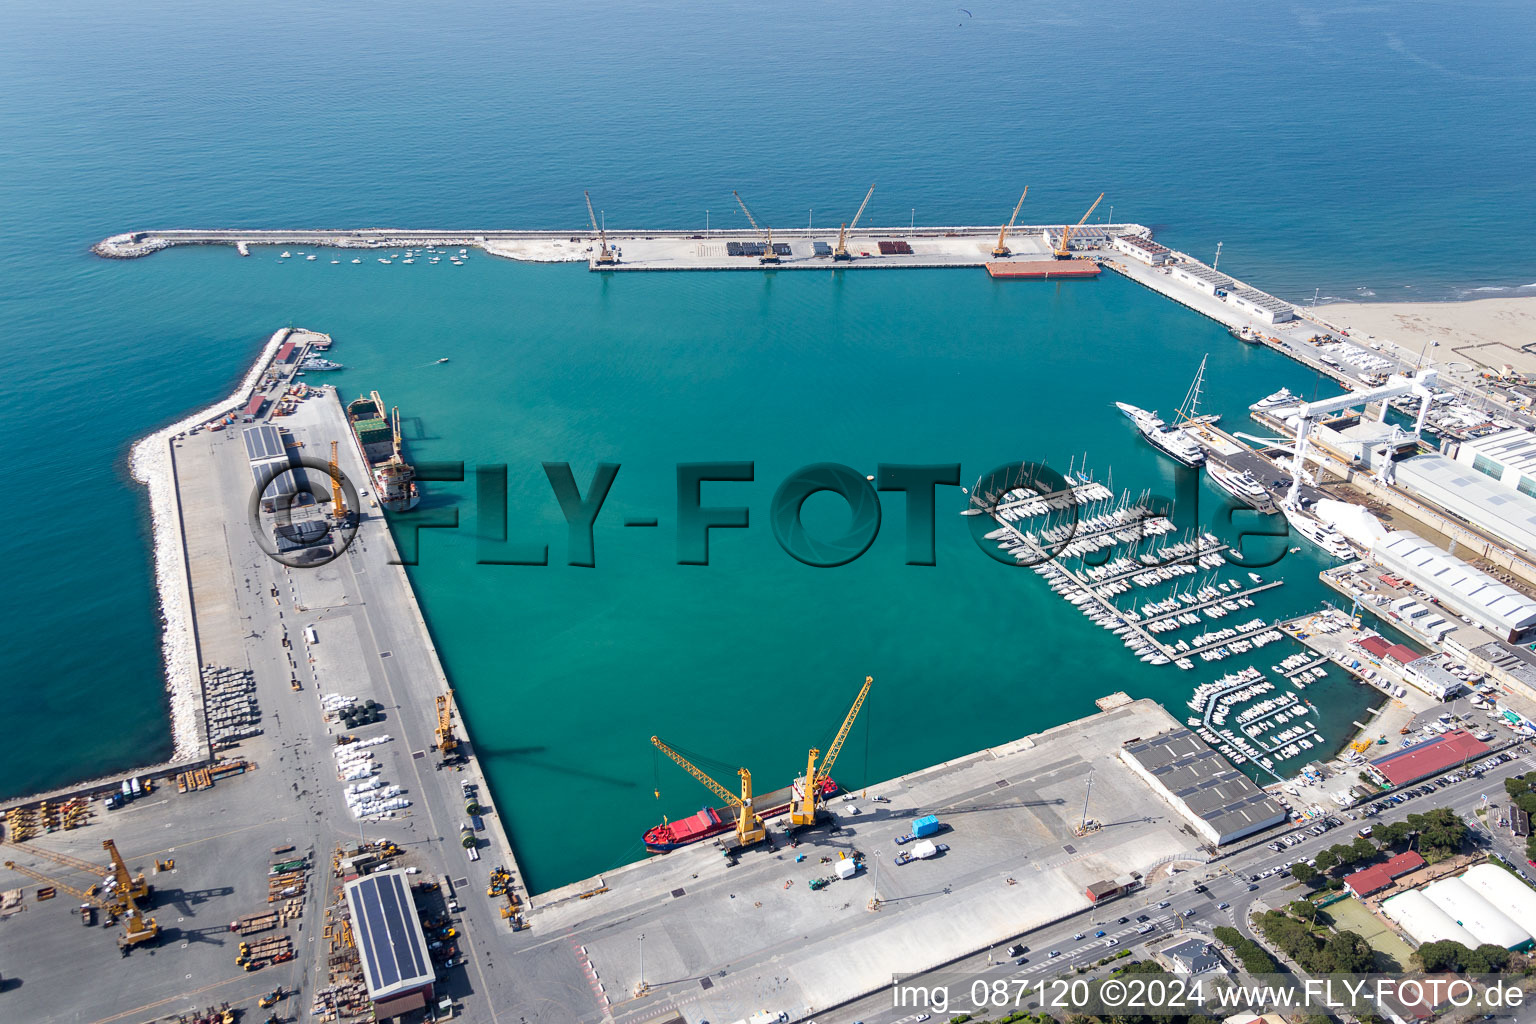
x=841, y=253
x=1001, y=248
x=766, y=234
x=605, y=256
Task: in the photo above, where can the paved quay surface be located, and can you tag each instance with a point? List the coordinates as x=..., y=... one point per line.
x=371, y=644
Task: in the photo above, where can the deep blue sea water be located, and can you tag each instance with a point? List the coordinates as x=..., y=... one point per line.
x=1367, y=152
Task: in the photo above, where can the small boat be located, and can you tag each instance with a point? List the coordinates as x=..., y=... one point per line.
x=311, y=257
x=359, y=260
x=285, y=254
x=443, y=360
x=334, y=262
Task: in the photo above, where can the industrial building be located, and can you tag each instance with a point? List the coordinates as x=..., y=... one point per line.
x=1220, y=802
x=1080, y=236
x=1504, y=611
x=267, y=454
x=1262, y=306
x=1507, y=515
x=1451, y=909
x=1137, y=247
x=1201, y=277
x=397, y=967
x=1432, y=757
x=1377, y=877
x=1511, y=667
x=1508, y=456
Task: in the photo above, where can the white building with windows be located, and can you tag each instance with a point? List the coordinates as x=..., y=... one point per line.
x=1262, y=306
x=1141, y=248
x=1201, y=277
x=1506, y=612
x=1508, y=456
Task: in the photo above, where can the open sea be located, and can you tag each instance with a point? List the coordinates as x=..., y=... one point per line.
x=1368, y=152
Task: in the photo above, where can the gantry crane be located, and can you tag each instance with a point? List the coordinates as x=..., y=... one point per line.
x=338, y=504
x=137, y=930
x=605, y=257
x=1001, y=248
x=766, y=234
x=841, y=252
x=446, y=741
x=749, y=825
x=1061, y=252
x=805, y=803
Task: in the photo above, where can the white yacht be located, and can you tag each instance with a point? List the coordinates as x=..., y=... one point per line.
x=1171, y=443
x=1241, y=485
x=1279, y=400
x=1319, y=533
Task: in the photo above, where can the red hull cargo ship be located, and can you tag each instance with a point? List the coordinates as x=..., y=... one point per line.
x=713, y=821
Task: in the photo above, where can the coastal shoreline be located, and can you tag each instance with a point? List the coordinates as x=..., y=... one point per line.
x=1477, y=331
x=151, y=464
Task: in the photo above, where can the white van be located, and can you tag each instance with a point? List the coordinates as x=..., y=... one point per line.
x=310, y=636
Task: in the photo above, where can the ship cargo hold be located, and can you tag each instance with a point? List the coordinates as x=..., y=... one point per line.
x=378, y=441
x=1043, y=269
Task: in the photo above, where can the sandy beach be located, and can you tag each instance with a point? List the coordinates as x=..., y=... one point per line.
x=1481, y=332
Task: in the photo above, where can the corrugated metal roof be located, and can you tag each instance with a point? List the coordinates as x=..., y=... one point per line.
x=390, y=942
x=1456, y=487
x=1449, y=578
x=1204, y=273
x=263, y=441
x=1206, y=782
x=1262, y=300
x=1514, y=448
x=1425, y=759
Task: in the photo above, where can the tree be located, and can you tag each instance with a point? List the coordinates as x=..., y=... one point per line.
x=1304, y=909
x=1346, y=953
x=1364, y=848
x=1328, y=860
x=1441, y=833
x=1487, y=959
x=1303, y=873
x=1445, y=955
x=1393, y=833
x=1345, y=853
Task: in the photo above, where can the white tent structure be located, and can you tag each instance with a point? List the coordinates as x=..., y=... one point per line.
x=1424, y=921
x=1516, y=899
x=1476, y=914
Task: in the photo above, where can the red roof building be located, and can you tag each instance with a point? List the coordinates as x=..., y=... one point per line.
x=1375, y=645
x=1381, y=876
x=1402, y=654
x=1425, y=759
x=285, y=353
x=253, y=407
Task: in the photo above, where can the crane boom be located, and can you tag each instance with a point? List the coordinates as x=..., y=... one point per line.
x=138, y=928
x=806, y=796
x=446, y=741
x=749, y=825
x=841, y=252
x=766, y=234
x=1066, y=230
x=825, y=770
x=604, y=256
x=92, y=898
x=135, y=886
x=1001, y=248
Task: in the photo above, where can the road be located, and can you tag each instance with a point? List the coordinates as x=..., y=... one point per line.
x=1189, y=912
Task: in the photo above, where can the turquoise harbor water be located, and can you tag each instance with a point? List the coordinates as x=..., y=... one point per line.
x=1343, y=151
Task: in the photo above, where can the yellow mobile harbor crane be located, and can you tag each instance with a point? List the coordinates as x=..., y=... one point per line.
x=114, y=879
x=1001, y=248
x=766, y=234
x=841, y=252
x=338, y=504
x=605, y=256
x=138, y=929
x=749, y=826
x=447, y=743
x=806, y=801
x=1061, y=252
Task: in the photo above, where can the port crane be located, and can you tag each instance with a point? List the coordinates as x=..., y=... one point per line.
x=805, y=804
x=1001, y=248
x=137, y=930
x=749, y=825
x=1062, y=252
x=446, y=741
x=841, y=252
x=118, y=880
x=605, y=256
x=338, y=504
x=766, y=234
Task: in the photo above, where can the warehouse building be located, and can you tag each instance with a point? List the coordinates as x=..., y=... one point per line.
x=397, y=968
x=1262, y=306
x=1137, y=247
x=1220, y=802
x=1086, y=236
x=1508, y=456
x=1201, y=277
x=1507, y=515
x=1432, y=757
x=1504, y=611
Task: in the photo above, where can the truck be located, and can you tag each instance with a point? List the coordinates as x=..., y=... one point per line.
x=922, y=851
x=927, y=825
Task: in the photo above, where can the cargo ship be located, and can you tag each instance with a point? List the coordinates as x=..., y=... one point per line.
x=713, y=821
x=378, y=441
